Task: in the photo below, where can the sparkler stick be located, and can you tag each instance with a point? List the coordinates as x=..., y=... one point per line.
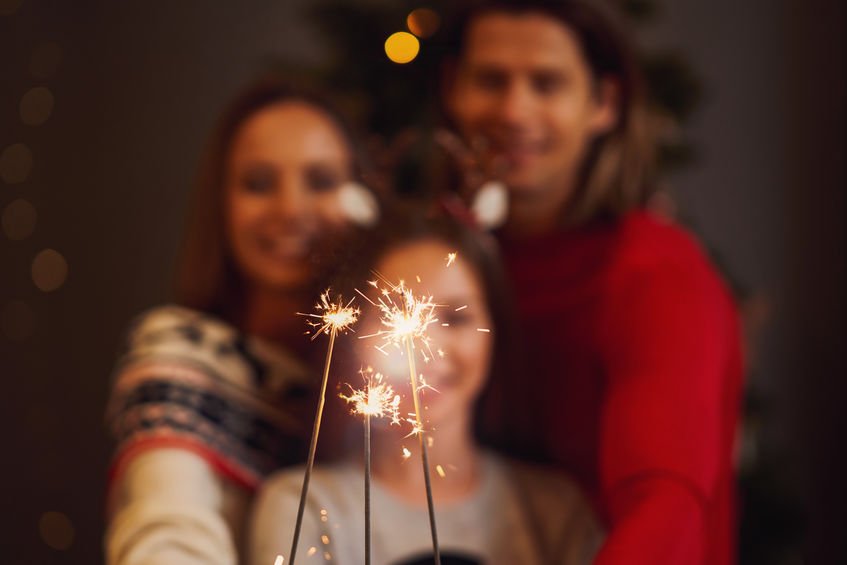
x=376, y=399
x=404, y=323
x=424, y=454
x=367, y=489
x=335, y=317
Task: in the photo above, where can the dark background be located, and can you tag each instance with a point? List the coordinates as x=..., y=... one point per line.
x=139, y=84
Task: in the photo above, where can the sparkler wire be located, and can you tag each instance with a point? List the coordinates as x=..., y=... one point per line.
x=312, y=447
x=424, y=455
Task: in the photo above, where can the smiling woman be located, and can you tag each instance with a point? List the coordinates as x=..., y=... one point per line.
x=213, y=394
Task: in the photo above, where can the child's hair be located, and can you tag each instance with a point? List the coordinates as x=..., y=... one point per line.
x=477, y=249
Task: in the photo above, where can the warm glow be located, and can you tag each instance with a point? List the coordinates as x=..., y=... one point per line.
x=402, y=47
x=49, y=270
x=404, y=316
x=423, y=22
x=377, y=399
x=334, y=316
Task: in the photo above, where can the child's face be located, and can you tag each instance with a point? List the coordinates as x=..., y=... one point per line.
x=461, y=356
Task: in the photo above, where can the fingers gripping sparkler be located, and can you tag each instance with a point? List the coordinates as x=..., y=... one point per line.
x=334, y=317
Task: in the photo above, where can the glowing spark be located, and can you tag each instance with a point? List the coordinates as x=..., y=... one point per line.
x=312, y=550
x=403, y=316
x=451, y=257
x=405, y=319
x=279, y=559
x=327, y=556
x=460, y=308
x=446, y=325
x=406, y=453
x=441, y=353
x=486, y=330
x=440, y=470
x=377, y=399
x=418, y=278
x=417, y=429
x=333, y=316
x=325, y=539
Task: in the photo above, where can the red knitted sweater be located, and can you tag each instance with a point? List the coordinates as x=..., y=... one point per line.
x=632, y=383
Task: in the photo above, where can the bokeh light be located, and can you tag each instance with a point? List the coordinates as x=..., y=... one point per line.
x=18, y=219
x=423, y=22
x=402, y=47
x=36, y=106
x=49, y=270
x=9, y=7
x=45, y=59
x=17, y=321
x=57, y=530
x=15, y=163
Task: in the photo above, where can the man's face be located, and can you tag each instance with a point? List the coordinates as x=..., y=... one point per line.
x=523, y=91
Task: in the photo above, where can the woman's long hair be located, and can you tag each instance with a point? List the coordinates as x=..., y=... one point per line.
x=207, y=278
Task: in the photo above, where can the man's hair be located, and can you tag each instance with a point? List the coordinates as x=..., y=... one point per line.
x=616, y=174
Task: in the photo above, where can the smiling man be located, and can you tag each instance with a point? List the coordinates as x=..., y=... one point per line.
x=632, y=372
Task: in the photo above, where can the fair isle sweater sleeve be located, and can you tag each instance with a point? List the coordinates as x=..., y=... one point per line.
x=170, y=508
x=200, y=415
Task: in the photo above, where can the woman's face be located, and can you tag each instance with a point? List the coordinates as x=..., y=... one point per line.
x=284, y=170
x=461, y=354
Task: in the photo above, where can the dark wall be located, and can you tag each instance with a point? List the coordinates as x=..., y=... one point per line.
x=136, y=91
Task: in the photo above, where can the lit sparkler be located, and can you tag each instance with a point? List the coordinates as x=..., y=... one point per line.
x=376, y=400
x=405, y=319
x=334, y=317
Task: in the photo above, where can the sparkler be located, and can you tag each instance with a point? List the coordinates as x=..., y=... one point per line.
x=334, y=317
x=377, y=399
x=405, y=320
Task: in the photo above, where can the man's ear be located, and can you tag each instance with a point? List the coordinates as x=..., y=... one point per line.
x=607, y=106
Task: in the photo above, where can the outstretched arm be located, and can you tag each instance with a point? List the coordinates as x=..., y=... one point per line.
x=168, y=508
x=664, y=439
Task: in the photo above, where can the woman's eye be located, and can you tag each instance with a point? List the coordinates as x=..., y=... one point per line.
x=320, y=179
x=258, y=181
x=548, y=83
x=456, y=319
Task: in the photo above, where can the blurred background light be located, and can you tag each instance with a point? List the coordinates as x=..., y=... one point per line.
x=9, y=7
x=17, y=321
x=402, y=47
x=49, y=270
x=15, y=163
x=18, y=219
x=45, y=59
x=57, y=530
x=423, y=22
x=36, y=106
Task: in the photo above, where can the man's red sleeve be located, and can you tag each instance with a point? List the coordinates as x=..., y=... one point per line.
x=662, y=425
